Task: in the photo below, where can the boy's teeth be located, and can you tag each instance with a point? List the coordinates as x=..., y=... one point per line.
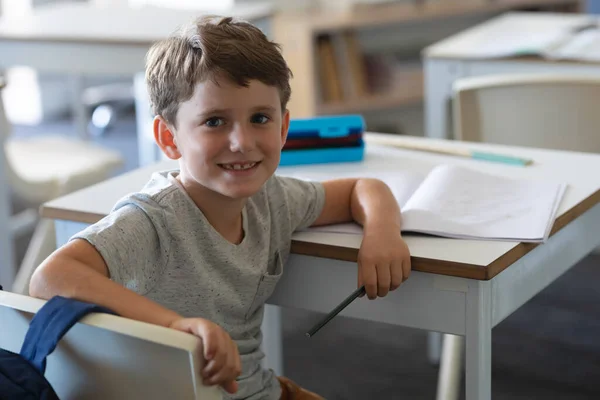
x=239, y=166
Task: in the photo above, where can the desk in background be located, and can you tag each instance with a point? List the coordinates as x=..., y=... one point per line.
x=460, y=56
x=462, y=287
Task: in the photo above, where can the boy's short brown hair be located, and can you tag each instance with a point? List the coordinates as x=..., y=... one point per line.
x=209, y=48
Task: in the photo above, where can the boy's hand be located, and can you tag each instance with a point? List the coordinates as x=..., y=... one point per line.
x=383, y=260
x=223, y=363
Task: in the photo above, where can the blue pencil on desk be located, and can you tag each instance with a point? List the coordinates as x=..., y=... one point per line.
x=475, y=155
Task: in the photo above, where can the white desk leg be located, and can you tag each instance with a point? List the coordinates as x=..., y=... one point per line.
x=41, y=245
x=272, y=344
x=449, y=377
x=439, y=76
x=147, y=149
x=434, y=347
x=478, y=341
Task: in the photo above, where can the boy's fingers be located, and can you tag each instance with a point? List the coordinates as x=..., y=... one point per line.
x=230, y=369
x=219, y=356
x=383, y=279
x=406, y=268
x=209, y=341
x=216, y=364
x=225, y=373
x=359, y=282
x=233, y=360
x=397, y=275
x=222, y=376
x=369, y=276
x=230, y=387
x=238, y=361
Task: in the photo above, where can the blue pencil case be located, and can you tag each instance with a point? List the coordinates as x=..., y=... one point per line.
x=326, y=139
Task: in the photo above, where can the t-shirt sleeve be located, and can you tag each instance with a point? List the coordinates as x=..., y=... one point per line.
x=304, y=201
x=133, y=250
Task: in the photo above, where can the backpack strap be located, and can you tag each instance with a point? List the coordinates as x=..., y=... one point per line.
x=50, y=324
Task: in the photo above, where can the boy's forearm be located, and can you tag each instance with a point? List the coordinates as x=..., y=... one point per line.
x=70, y=278
x=373, y=205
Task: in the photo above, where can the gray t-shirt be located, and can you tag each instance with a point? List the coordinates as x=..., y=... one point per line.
x=159, y=244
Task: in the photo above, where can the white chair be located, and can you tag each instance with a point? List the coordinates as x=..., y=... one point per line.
x=40, y=169
x=109, y=357
x=559, y=112
x=545, y=111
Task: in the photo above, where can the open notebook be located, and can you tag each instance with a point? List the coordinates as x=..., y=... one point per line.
x=459, y=202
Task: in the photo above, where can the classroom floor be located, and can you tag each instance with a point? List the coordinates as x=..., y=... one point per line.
x=549, y=349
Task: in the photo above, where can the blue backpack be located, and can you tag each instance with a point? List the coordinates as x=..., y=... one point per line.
x=22, y=375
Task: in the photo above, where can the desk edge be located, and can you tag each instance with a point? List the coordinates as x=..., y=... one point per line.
x=441, y=267
x=452, y=268
x=69, y=215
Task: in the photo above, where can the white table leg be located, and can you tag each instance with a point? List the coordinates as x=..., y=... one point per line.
x=449, y=377
x=439, y=76
x=272, y=344
x=41, y=245
x=478, y=341
x=147, y=149
x=434, y=347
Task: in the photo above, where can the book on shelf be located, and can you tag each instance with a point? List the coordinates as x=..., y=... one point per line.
x=347, y=74
x=341, y=67
x=331, y=86
x=459, y=202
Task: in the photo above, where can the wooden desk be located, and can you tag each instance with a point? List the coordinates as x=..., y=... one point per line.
x=84, y=39
x=463, y=287
x=460, y=56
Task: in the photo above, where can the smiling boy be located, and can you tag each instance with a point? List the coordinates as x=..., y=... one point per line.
x=201, y=248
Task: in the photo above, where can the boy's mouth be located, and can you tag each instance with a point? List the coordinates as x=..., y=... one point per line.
x=239, y=166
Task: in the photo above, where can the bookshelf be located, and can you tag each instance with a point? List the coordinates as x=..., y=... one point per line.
x=332, y=73
x=407, y=95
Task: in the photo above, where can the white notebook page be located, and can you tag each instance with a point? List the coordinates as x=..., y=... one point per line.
x=460, y=202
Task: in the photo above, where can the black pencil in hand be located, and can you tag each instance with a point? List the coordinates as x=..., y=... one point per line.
x=358, y=292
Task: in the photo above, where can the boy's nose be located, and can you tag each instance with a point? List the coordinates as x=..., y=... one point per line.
x=241, y=140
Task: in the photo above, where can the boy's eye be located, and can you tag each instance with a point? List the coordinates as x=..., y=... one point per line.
x=260, y=119
x=214, y=122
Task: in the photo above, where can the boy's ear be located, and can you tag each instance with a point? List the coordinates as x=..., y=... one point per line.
x=165, y=138
x=285, y=125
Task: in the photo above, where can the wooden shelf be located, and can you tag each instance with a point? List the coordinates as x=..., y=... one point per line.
x=403, y=12
x=300, y=34
x=410, y=92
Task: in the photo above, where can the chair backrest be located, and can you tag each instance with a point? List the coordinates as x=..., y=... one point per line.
x=109, y=357
x=21, y=187
x=545, y=111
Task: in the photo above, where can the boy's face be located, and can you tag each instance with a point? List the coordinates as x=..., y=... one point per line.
x=230, y=137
